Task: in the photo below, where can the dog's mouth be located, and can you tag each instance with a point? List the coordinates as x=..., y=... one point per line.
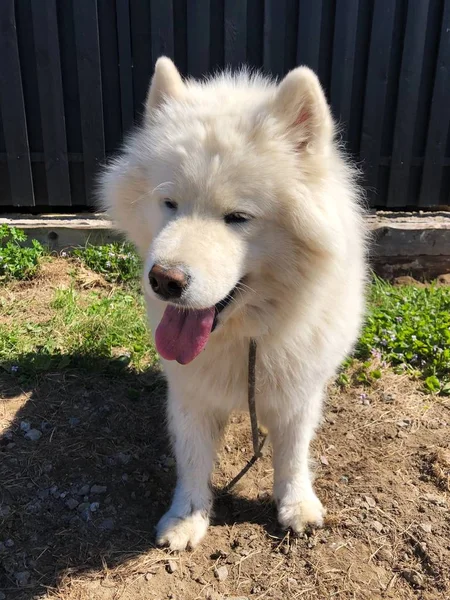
x=183, y=333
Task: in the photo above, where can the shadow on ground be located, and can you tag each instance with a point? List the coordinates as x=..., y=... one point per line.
x=90, y=490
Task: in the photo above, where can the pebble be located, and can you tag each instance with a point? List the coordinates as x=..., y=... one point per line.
x=125, y=477
x=94, y=506
x=25, y=426
x=123, y=458
x=33, y=435
x=84, y=490
x=22, y=577
x=10, y=446
x=426, y=527
x=172, y=566
x=370, y=501
x=71, y=503
x=324, y=460
x=227, y=448
x=377, y=526
x=5, y=510
x=412, y=577
x=83, y=506
x=388, y=398
x=221, y=573
x=98, y=489
x=107, y=525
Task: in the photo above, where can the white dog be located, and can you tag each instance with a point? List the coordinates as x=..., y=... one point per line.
x=248, y=221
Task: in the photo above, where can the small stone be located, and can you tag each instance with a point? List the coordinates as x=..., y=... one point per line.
x=71, y=503
x=221, y=573
x=5, y=510
x=94, y=506
x=107, y=525
x=388, y=398
x=148, y=576
x=172, y=566
x=33, y=435
x=426, y=527
x=412, y=577
x=10, y=446
x=98, y=489
x=370, y=501
x=84, y=490
x=22, y=577
x=434, y=499
x=384, y=554
x=25, y=426
x=83, y=506
x=123, y=458
x=403, y=423
x=9, y=543
x=324, y=460
x=377, y=526
x=365, y=402
x=43, y=494
x=63, y=495
x=227, y=448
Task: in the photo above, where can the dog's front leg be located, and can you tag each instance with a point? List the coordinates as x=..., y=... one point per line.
x=195, y=431
x=291, y=434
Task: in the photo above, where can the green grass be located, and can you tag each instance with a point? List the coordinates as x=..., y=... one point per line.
x=118, y=263
x=409, y=328
x=406, y=327
x=16, y=261
x=83, y=329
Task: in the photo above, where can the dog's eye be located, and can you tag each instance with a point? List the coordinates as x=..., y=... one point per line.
x=170, y=204
x=236, y=217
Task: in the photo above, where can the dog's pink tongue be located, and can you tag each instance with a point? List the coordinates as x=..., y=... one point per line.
x=182, y=335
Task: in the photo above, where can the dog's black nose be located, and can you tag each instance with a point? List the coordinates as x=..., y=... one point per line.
x=168, y=283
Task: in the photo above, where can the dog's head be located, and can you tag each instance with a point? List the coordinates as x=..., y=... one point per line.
x=221, y=189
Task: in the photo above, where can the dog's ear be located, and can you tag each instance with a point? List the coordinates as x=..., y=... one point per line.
x=301, y=104
x=166, y=83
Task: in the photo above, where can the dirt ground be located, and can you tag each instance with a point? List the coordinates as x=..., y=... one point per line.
x=78, y=506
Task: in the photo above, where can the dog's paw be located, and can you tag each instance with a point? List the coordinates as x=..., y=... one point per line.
x=179, y=533
x=297, y=516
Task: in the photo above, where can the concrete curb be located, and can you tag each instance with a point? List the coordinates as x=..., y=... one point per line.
x=402, y=243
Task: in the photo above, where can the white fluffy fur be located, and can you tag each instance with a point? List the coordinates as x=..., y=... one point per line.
x=239, y=142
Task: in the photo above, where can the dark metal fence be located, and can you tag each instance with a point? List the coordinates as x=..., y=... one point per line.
x=74, y=73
